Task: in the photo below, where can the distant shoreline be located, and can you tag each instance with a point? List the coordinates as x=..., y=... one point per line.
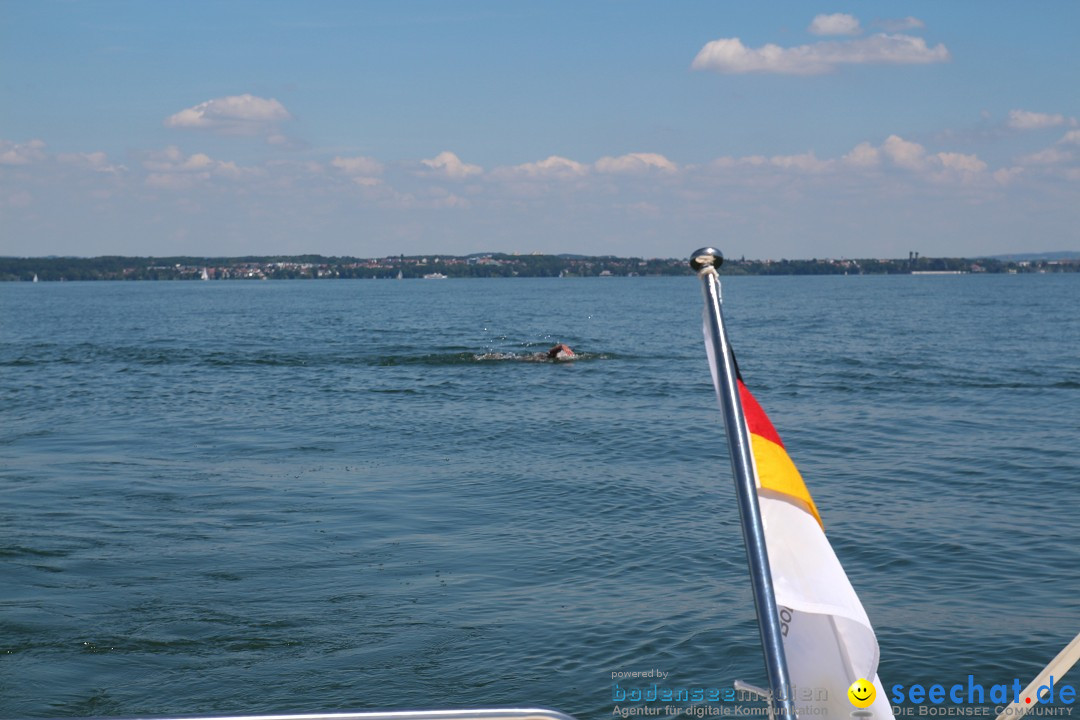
x=280, y=267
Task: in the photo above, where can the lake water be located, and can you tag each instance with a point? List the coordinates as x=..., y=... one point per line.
x=295, y=496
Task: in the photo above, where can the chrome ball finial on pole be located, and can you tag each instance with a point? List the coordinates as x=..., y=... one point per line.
x=706, y=257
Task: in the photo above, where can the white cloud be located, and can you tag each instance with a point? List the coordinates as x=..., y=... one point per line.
x=170, y=168
x=442, y=198
x=727, y=161
x=1049, y=156
x=763, y=168
x=13, y=153
x=358, y=165
x=635, y=163
x=863, y=155
x=960, y=162
x=806, y=162
x=942, y=166
x=234, y=115
x=908, y=155
x=904, y=153
x=900, y=153
x=1071, y=137
x=901, y=24
x=730, y=56
x=96, y=161
x=550, y=167
x=171, y=159
x=835, y=24
x=448, y=164
x=231, y=170
x=1026, y=120
x=1004, y=176
x=361, y=170
x=956, y=167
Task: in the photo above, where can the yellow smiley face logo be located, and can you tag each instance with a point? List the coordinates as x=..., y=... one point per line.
x=861, y=693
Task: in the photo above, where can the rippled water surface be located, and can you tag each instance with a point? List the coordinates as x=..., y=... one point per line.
x=321, y=495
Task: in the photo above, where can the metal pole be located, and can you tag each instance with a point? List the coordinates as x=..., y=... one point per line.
x=705, y=262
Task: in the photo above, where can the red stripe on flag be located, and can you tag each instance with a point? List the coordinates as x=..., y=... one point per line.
x=757, y=422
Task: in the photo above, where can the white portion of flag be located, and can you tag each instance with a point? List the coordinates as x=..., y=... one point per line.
x=828, y=640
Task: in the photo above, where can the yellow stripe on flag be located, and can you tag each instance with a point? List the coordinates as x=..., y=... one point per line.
x=776, y=472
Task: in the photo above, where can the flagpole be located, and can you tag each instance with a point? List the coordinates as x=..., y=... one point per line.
x=705, y=262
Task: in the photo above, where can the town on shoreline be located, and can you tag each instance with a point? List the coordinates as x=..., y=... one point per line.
x=486, y=265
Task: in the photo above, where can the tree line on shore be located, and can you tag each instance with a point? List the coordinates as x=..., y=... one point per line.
x=480, y=265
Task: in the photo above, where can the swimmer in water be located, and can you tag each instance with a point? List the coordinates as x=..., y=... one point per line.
x=560, y=352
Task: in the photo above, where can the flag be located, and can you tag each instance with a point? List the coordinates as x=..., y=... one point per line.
x=828, y=640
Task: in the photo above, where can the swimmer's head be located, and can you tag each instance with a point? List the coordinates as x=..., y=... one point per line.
x=560, y=352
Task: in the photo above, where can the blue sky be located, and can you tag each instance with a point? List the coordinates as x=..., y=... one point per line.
x=785, y=129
